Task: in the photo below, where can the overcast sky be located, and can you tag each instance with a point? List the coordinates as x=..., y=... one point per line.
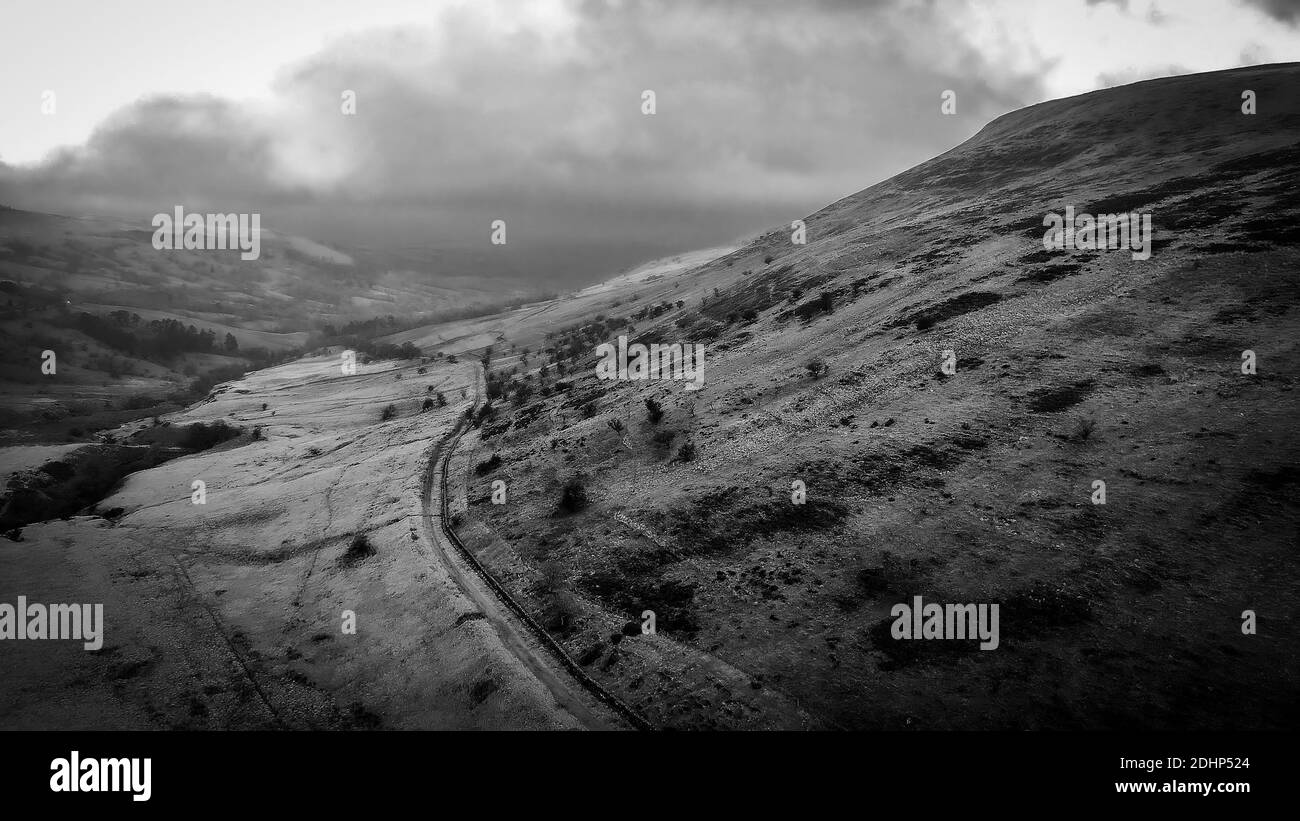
x=531, y=111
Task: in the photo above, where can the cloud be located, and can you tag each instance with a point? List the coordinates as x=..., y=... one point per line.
x=765, y=112
x=1110, y=79
x=1288, y=11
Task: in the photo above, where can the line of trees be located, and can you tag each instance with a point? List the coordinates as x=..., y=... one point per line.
x=159, y=339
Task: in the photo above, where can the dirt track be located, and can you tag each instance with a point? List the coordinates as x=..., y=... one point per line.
x=514, y=636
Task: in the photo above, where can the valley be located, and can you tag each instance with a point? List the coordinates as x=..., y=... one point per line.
x=825, y=377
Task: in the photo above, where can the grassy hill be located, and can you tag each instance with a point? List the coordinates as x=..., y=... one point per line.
x=824, y=365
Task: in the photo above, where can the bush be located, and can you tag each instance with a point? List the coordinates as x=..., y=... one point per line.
x=1083, y=428
x=654, y=411
x=553, y=577
x=201, y=436
x=390, y=412
x=560, y=614
x=489, y=465
x=817, y=368
x=359, y=549
x=573, y=497
x=686, y=453
x=615, y=425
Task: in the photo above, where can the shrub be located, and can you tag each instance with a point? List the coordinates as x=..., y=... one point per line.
x=428, y=403
x=552, y=580
x=359, y=549
x=201, y=436
x=686, y=453
x=615, y=425
x=560, y=614
x=1083, y=428
x=390, y=412
x=654, y=411
x=817, y=368
x=488, y=465
x=573, y=496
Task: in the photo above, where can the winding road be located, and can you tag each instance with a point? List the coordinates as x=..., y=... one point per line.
x=574, y=691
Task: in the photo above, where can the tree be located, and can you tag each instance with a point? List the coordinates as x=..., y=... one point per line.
x=232, y=344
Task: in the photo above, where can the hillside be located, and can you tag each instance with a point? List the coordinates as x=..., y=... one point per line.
x=824, y=365
x=95, y=292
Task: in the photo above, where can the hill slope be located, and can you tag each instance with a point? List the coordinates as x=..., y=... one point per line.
x=1072, y=367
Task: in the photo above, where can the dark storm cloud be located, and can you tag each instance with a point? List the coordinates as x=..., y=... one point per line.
x=1288, y=11
x=160, y=149
x=765, y=112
